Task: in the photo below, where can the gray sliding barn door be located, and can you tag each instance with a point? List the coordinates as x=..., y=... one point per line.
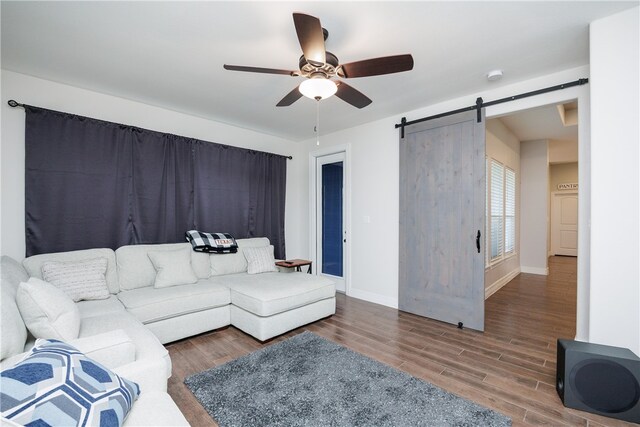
x=442, y=210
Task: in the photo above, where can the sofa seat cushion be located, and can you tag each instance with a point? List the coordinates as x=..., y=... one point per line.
x=153, y=304
x=111, y=305
x=155, y=409
x=271, y=293
x=146, y=343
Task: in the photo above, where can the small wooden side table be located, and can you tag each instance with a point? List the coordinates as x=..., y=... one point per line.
x=295, y=263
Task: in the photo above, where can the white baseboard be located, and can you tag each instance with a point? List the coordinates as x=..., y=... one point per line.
x=535, y=270
x=498, y=284
x=374, y=298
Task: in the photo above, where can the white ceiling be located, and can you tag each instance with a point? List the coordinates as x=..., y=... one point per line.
x=170, y=54
x=540, y=123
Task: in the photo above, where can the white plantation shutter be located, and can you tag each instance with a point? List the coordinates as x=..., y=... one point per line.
x=510, y=211
x=497, y=210
x=487, y=217
x=500, y=232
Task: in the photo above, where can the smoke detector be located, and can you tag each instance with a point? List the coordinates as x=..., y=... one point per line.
x=494, y=75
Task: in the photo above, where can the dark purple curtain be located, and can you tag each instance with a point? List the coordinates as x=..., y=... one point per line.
x=91, y=183
x=221, y=183
x=162, y=202
x=77, y=183
x=264, y=207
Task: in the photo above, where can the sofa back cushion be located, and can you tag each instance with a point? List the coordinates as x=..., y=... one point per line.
x=33, y=264
x=135, y=269
x=222, y=264
x=13, y=332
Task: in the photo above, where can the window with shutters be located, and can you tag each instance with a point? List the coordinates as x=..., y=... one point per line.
x=509, y=211
x=500, y=235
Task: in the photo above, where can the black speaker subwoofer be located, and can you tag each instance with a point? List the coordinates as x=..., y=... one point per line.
x=600, y=379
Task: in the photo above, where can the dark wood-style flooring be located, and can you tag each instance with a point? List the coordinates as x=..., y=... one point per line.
x=509, y=368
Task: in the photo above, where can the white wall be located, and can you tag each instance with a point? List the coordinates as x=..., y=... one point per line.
x=615, y=180
x=504, y=146
x=47, y=94
x=373, y=177
x=534, y=206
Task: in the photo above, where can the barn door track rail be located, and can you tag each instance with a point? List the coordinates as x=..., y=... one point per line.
x=480, y=104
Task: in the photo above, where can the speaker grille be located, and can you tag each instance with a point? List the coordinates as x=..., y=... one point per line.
x=605, y=386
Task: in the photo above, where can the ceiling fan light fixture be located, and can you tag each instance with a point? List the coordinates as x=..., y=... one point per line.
x=318, y=88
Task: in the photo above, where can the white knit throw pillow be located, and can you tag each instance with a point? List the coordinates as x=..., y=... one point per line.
x=81, y=280
x=260, y=260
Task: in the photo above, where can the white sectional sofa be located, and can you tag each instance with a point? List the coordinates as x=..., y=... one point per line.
x=109, y=335
x=125, y=331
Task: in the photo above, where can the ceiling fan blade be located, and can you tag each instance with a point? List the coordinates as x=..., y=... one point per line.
x=290, y=98
x=376, y=66
x=260, y=70
x=311, y=38
x=351, y=95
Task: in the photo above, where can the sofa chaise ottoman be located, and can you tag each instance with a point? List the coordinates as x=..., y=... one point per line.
x=269, y=304
x=278, y=303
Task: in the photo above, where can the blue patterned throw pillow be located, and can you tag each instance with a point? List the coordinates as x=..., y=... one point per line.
x=57, y=385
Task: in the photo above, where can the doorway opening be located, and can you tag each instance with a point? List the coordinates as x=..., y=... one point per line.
x=541, y=146
x=329, y=216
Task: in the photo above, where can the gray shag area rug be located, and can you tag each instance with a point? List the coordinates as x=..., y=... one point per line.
x=309, y=381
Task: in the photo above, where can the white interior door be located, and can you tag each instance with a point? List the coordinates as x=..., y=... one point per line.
x=564, y=224
x=330, y=218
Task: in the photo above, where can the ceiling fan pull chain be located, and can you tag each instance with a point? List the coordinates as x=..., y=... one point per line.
x=317, y=122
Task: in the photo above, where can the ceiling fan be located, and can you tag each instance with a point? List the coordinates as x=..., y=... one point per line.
x=321, y=67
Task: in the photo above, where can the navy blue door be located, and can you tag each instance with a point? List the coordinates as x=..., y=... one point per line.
x=332, y=184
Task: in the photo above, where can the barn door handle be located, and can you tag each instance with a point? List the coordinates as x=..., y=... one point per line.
x=478, y=241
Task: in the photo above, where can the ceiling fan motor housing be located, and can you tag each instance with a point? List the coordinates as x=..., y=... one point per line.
x=328, y=69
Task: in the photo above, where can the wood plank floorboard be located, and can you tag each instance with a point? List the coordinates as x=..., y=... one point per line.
x=509, y=368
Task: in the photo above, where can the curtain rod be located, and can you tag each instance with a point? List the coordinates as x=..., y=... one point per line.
x=481, y=104
x=13, y=103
